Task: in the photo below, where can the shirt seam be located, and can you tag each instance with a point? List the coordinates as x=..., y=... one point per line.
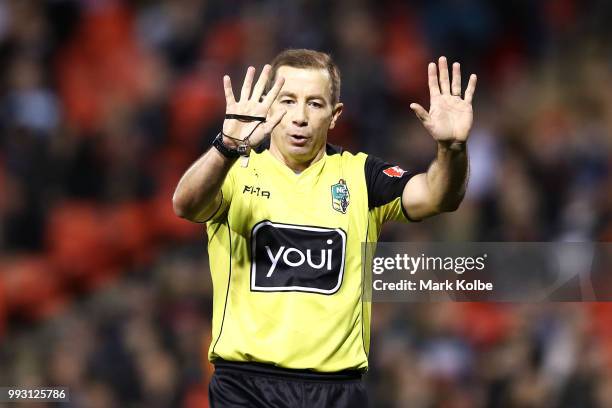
x=229, y=280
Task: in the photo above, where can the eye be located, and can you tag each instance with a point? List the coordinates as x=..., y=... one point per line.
x=315, y=104
x=287, y=101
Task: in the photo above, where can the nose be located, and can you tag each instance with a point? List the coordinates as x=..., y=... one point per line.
x=298, y=115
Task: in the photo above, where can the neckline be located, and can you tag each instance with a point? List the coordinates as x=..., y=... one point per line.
x=312, y=169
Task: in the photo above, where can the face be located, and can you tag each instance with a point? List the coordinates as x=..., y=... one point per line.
x=306, y=97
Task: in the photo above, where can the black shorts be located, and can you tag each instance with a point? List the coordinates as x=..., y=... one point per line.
x=261, y=385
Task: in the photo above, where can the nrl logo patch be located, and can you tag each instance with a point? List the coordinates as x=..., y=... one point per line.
x=340, y=196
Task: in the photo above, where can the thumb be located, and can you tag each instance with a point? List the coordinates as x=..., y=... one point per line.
x=273, y=122
x=420, y=112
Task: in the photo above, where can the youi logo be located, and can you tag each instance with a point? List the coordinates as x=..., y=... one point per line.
x=300, y=258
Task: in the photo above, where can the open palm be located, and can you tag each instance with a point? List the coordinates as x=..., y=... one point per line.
x=252, y=102
x=450, y=117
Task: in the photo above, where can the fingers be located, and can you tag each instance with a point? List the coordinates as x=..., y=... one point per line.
x=271, y=96
x=456, y=84
x=273, y=121
x=247, y=84
x=420, y=112
x=227, y=88
x=445, y=86
x=471, y=87
x=444, y=82
x=432, y=77
x=261, y=83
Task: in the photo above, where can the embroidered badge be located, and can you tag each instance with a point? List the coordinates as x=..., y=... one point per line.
x=395, y=171
x=340, y=196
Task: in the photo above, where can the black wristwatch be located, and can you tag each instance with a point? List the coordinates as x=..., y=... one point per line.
x=228, y=152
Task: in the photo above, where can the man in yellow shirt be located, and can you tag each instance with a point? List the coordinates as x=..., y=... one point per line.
x=286, y=218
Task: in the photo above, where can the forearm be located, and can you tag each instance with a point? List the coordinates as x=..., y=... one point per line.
x=197, y=194
x=447, y=176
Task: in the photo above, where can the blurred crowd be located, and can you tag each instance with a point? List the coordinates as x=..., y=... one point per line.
x=103, y=105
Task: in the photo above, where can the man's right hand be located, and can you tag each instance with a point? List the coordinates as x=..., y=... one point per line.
x=251, y=104
x=197, y=196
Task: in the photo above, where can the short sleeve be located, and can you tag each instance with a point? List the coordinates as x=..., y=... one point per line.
x=227, y=192
x=385, y=183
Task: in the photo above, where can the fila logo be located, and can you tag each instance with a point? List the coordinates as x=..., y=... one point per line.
x=395, y=171
x=297, y=258
x=256, y=191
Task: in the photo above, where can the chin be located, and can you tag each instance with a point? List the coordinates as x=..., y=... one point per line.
x=300, y=151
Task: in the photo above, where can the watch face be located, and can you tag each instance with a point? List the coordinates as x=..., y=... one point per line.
x=243, y=150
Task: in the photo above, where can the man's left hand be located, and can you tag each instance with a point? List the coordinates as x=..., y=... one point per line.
x=450, y=117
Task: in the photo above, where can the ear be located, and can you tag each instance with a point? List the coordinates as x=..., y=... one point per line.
x=336, y=114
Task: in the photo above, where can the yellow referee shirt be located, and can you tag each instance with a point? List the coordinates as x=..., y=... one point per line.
x=286, y=263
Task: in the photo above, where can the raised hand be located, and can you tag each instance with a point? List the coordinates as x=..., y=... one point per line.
x=450, y=117
x=251, y=104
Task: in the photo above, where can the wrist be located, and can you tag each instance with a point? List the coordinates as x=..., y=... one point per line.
x=229, y=142
x=228, y=151
x=452, y=146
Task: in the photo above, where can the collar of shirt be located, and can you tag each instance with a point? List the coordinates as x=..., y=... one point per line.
x=309, y=176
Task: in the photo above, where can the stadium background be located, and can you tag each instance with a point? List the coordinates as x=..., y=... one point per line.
x=103, y=104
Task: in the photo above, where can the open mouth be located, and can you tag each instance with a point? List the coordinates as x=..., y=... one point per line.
x=298, y=139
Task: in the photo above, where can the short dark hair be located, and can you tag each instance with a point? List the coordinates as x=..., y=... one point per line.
x=304, y=58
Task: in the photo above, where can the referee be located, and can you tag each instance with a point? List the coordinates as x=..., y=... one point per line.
x=286, y=214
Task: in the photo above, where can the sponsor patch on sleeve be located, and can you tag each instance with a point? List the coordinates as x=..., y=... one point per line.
x=395, y=171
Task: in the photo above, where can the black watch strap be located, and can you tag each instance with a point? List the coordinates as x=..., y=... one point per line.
x=224, y=149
